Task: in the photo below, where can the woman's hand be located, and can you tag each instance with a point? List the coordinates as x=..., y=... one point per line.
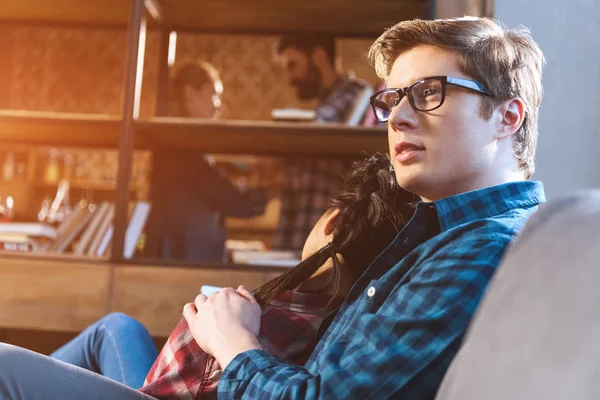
x=225, y=324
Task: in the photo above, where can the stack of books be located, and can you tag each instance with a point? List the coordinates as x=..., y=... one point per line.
x=25, y=237
x=86, y=231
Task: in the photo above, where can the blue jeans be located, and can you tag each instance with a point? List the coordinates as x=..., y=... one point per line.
x=117, y=346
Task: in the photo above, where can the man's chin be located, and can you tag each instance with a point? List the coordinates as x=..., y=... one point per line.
x=305, y=96
x=409, y=180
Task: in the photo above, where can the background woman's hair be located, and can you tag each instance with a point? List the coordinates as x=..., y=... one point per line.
x=196, y=75
x=373, y=209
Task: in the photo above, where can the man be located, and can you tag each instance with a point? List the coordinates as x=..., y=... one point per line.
x=462, y=110
x=310, y=61
x=309, y=183
x=462, y=126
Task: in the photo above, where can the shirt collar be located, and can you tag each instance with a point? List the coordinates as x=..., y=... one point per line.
x=485, y=203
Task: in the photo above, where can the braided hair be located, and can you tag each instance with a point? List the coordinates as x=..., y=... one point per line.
x=373, y=208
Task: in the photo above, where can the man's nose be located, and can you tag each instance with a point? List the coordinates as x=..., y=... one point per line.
x=403, y=115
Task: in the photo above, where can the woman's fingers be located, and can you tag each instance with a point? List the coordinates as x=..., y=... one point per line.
x=242, y=291
x=189, y=311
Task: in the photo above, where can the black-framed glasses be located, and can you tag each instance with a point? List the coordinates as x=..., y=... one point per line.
x=426, y=94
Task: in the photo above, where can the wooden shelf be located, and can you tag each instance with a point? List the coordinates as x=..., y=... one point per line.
x=86, y=184
x=339, y=17
x=264, y=137
x=233, y=137
x=59, y=129
x=350, y=18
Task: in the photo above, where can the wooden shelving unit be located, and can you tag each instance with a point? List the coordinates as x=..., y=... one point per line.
x=347, y=18
x=64, y=293
x=69, y=293
x=59, y=129
x=233, y=137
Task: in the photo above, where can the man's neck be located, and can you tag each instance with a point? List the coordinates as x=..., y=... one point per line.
x=482, y=182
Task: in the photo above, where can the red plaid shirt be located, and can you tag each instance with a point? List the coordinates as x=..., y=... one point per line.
x=288, y=331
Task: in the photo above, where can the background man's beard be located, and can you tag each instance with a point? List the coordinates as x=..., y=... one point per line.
x=311, y=86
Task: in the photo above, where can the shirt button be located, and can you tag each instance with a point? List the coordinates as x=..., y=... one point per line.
x=371, y=292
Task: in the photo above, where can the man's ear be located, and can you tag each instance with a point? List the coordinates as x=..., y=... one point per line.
x=330, y=221
x=319, y=57
x=509, y=117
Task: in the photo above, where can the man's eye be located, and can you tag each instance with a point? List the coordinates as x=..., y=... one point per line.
x=430, y=91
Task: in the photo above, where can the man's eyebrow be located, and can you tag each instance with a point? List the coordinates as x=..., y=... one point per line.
x=402, y=86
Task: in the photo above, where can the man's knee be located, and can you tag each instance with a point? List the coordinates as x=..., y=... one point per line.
x=120, y=321
x=14, y=359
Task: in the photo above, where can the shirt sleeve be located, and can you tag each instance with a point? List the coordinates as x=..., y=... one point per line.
x=400, y=348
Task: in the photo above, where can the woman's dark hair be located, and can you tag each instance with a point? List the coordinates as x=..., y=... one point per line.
x=373, y=209
x=194, y=74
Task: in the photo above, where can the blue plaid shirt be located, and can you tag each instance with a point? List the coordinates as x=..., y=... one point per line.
x=403, y=321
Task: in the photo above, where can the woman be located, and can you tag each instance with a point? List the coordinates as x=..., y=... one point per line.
x=189, y=197
x=364, y=218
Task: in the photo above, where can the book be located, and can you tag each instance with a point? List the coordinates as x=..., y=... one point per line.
x=103, y=226
x=106, y=239
x=267, y=257
x=78, y=226
x=293, y=114
x=135, y=227
x=65, y=228
x=20, y=243
x=19, y=247
x=360, y=105
x=28, y=229
x=370, y=118
x=92, y=228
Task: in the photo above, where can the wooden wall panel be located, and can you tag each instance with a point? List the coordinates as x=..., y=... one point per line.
x=52, y=295
x=155, y=296
x=69, y=295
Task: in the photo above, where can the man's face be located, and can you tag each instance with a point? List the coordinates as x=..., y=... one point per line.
x=302, y=73
x=454, y=144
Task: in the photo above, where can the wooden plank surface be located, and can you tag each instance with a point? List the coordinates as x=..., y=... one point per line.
x=66, y=294
x=357, y=18
x=155, y=295
x=52, y=295
x=228, y=136
x=110, y=12
x=59, y=129
x=261, y=137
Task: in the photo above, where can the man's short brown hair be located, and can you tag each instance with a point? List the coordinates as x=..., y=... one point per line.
x=507, y=61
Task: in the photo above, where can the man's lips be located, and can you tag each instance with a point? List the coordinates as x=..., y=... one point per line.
x=406, y=147
x=406, y=151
